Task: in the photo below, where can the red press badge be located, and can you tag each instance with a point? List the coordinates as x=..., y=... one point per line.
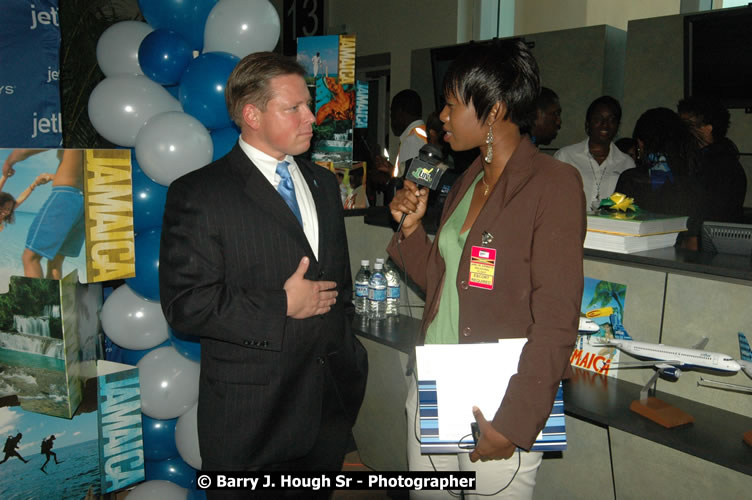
x=482, y=267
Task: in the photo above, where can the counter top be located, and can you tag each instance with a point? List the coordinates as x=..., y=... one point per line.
x=397, y=332
x=715, y=435
x=678, y=259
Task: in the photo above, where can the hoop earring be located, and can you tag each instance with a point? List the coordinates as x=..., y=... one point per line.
x=489, y=145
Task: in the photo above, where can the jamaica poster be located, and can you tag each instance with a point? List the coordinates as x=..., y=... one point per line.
x=330, y=65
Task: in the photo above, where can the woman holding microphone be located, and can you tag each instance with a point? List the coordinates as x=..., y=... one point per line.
x=527, y=208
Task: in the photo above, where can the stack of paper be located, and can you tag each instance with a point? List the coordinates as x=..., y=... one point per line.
x=628, y=233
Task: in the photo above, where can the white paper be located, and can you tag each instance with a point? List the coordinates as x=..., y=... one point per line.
x=468, y=375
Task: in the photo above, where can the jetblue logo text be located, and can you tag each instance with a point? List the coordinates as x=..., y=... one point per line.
x=43, y=17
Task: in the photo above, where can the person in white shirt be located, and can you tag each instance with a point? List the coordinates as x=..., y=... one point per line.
x=405, y=117
x=597, y=158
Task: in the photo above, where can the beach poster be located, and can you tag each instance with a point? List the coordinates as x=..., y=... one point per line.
x=602, y=310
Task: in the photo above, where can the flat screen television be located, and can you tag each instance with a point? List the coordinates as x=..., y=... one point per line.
x=718, y=56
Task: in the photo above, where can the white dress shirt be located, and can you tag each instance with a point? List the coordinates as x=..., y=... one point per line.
x=411, y=141
x=598, y=181
x=268, y=166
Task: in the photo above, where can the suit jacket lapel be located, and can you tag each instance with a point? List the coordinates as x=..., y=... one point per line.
x=323, y=212
x=261, y=193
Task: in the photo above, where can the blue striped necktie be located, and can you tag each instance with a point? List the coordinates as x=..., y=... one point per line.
x=286, y=189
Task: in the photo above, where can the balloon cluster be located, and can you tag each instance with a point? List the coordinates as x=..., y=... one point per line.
x=163, y=97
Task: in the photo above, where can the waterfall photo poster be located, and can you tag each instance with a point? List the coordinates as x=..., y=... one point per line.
x=43, y=343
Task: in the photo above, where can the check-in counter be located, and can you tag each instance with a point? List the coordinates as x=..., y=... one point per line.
x=674, y=297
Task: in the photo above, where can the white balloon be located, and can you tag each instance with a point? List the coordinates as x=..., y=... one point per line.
x=169, y=383
x=241, y=27
x=157, y=488
x=133, y=322
x=186, y=437
x=172, y=144
x=120, y=105
x=117, y=48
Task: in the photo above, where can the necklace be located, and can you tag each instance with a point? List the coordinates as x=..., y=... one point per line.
x=597, y=201
x=486, y=186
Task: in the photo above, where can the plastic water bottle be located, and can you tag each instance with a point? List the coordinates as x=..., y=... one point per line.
x=392, y=291
x=361, y=288
x=377, y=293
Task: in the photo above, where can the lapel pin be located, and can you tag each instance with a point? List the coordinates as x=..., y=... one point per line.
x=486, y=238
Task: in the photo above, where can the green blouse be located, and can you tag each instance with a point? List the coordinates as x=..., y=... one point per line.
x=444, y=329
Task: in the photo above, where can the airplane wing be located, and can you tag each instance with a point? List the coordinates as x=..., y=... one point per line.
x=723, y=385
x=746, y=367
x=700, y=345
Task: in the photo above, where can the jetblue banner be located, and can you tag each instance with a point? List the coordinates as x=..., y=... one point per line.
x=30, y=61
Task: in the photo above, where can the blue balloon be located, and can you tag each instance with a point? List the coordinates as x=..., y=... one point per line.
x=174, y=90
x=159, y=438
x=187, y=345
x=149, y=198
x=196, y=495
x=202, y=88
x=146, y=281
x=187, y=18
x=224, y=139
x=163, y=56
x=172, y=469
x=133, y=356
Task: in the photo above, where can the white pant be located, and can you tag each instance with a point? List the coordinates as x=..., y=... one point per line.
x=491, y=476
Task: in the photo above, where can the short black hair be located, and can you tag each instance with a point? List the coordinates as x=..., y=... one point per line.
x=546, y=98
x=409, y=102
x=609, y=102
x=625, y=144
x=501, y=70
x=710, y=111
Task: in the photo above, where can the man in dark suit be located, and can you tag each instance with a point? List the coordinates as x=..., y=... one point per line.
x=259, y=269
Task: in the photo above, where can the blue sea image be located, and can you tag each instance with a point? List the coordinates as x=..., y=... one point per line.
x=77, y=472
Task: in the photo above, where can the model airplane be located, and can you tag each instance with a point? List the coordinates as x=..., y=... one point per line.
x=745, y=361
x=669, y=361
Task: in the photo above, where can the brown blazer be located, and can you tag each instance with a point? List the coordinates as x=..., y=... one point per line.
x=535, y=215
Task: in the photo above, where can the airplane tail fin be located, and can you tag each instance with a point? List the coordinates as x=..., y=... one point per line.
x=744, y=349
x=621, y=333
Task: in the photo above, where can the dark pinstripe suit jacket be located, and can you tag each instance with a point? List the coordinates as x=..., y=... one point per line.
x=229, y=243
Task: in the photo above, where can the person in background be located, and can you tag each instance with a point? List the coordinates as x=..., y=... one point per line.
x=665, y=180
x=721, y=175
x=9, y=204
x=597, y=159
x=547, y=122
x=525, y=205
x=405, y=115
x=254, y=260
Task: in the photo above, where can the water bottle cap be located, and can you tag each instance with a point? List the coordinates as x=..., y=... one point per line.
x=380, y=260
x=365, y=262
x=378, y=265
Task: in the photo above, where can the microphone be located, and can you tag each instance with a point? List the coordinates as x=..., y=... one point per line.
x=425, y=170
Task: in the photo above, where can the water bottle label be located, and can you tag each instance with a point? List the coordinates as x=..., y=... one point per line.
x=361, y=290
x=377, y=294
x=393, y=292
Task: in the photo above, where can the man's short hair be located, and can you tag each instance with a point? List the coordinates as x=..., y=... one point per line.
x=710, y=111
x=409, y=102
x=249, y=81
x=546, y=99
x=500, y=71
